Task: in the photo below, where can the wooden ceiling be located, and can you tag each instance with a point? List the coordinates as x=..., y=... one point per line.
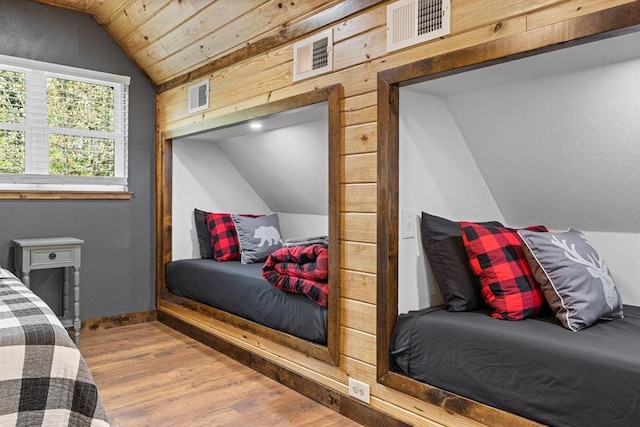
x=172, y=39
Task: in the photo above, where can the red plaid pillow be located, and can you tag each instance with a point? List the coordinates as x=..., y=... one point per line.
x=497, y=258
x=224, y=237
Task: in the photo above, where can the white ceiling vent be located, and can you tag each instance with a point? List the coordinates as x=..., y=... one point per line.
x=199, y=96
x=411, y=22
x=313, y=56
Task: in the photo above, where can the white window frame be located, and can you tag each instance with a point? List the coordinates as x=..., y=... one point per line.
x=37, y=131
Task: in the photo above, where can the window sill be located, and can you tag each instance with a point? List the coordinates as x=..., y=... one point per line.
x=64, y=195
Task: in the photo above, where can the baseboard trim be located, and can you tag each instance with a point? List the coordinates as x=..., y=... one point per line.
x=344, y=405
x=118, y=320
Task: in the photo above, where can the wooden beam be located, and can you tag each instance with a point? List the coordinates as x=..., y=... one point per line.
x=96, y=323
x=308, y=348
x=333, y=95
x=300, y=29
x=387, y=217
x=454, y=404
x=582, y=29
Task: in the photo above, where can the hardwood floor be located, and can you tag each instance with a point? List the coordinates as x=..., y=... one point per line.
x=150, y=375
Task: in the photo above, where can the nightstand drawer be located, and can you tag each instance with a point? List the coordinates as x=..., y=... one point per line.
x=51, y=257
x=54, y=252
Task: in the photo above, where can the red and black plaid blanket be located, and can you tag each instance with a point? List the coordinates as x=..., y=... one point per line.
x=301, y=270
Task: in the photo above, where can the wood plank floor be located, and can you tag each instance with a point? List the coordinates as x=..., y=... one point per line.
x=151, y=375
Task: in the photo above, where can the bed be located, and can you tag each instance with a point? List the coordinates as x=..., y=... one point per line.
x=44, y=380
x=240, y=289
x=534, y=367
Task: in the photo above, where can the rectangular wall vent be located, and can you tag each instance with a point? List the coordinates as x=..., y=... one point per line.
x=313, y=56
x=199, y=96
x=411, y=22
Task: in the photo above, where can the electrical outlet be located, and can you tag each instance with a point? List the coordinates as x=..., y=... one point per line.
x=359, y=390
x=408, y=224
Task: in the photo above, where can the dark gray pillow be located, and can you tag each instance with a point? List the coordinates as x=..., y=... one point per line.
x=442, y=243
x=574, y=278
x=204, y=237
x=258, y=237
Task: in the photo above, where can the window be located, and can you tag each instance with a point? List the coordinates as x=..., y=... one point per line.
x=62, y=128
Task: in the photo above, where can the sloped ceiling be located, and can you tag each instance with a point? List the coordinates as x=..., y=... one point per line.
x=168, y=39
x=285, y=162
x=557, y=136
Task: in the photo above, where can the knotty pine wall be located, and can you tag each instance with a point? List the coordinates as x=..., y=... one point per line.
x=359, y=54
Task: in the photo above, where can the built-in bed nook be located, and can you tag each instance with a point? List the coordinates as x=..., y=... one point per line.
x=250, y=223
x=509, y=228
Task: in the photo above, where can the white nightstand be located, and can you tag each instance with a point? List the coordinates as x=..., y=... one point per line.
x=55, y=252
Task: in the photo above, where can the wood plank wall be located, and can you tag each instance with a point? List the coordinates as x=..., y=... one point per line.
x=359, y=54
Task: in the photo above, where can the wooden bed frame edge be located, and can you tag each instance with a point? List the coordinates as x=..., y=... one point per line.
x=603, y=24
x=334, y=400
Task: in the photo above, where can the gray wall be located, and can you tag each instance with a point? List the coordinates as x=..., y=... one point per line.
x=118, y=255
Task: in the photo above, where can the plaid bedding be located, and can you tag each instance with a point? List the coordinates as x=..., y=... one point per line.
x=224, y=237
x=496, y=257
x=44, y=380
x=300, y=269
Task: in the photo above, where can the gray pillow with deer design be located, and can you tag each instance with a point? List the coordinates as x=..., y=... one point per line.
x=573, y=277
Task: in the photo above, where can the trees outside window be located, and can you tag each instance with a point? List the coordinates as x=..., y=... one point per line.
x=61, y=127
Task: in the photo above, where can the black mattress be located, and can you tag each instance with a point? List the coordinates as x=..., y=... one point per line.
x=534, y=367
x=241, y=290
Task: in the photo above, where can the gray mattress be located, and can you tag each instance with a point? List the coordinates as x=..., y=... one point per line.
x=241, y=290
x=534, y=367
